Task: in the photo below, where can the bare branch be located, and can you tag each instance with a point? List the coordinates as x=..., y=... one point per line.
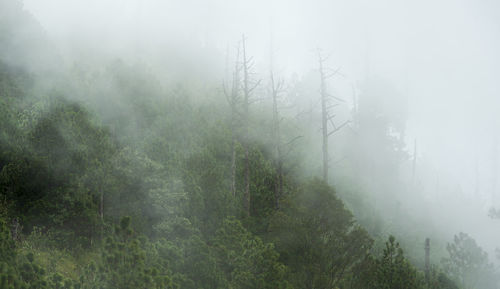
x=251, y=101
x=339, y=127
x=293, y=140
x=302, y=113
x=322, y=58
x=333, y=73
x=254, y=86
x=352, y=130
x=290, y=148
x=332, y=106
x=335, y=97
x=333, y=124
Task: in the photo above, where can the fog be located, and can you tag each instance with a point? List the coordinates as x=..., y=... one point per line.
x=439, y=59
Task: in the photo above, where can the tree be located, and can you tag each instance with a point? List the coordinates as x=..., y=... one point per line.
x=439, y=280
x=468, y=263
x=233, y=98
x=276, y=89
x=326, y=116
x=394, y=270
x=317, y=237
x=123, y=263
x=248, y=87
x=246, y=260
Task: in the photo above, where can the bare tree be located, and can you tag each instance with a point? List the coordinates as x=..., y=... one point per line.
x=248, y=88
x=233, y=98
x=414, y=164
x=494, y=170
x=239, y=99
x=280, y=149
x=276, y=89
x=427, y=258
x=326, y=116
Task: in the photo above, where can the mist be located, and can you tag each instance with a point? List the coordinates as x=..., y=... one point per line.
x=427, y=71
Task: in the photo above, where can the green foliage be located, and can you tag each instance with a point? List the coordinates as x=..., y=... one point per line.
x=317, y=237
x=206, y=180
x=123, y=264
x=390, y=271
x=262, y=186
x=69, y=175
x=439, y=280
x=7, y=253
x=394, y=270
x=247, y=261
x=44, y=183
x=468, y=264
x=23, y=270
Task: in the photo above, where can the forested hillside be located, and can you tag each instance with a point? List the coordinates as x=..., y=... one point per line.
x=112, y=178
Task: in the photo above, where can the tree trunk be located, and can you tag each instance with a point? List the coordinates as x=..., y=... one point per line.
x=233, y=102
x=101, y=212
x=494, y=170
x=276, y=142
x=324, y=119
x=246, y=104
x=233, y=165
x=414, y=166
x=427, y=259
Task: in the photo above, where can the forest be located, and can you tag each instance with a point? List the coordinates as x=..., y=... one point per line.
x=116, y=174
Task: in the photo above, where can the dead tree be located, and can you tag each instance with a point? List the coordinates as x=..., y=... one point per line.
x=233, y=98
x=248, y=87
x=276, y=89
x=427, y=258
x=280, y=149
x=326, y=116
x=414, y=165
x=494, y=170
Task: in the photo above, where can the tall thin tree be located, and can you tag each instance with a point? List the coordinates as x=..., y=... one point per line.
x=326, y=117
x=414, y=164
x=276, y=89
x=427, y=258
x=233, y=98
x=248, y=87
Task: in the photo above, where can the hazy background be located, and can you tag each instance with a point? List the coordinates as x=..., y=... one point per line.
x=441, y=58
